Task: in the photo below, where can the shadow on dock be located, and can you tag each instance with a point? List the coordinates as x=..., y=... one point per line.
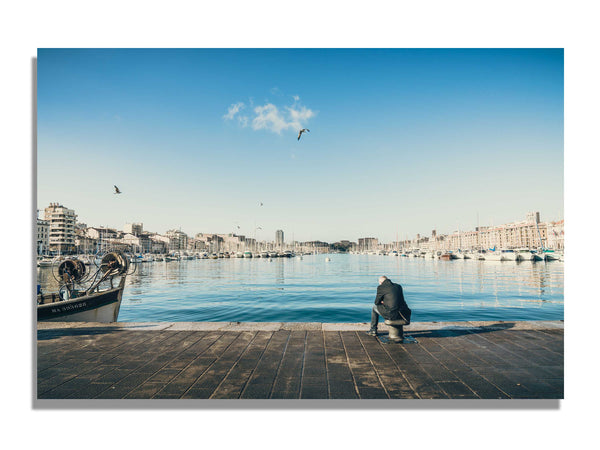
x=44, y=335
x=458, y=331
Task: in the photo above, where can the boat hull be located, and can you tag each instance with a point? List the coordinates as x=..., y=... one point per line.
x=100, y=307
x=493, y=257
x=525, y=256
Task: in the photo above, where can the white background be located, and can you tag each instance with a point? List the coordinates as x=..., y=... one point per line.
x=27, y=25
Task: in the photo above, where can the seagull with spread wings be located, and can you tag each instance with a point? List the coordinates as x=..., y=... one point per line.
x=117, y=191
x=302, y=131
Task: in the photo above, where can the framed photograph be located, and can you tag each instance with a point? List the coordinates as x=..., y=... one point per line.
x=299, y=223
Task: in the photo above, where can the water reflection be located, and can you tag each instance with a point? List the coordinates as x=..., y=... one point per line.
x=342, y=290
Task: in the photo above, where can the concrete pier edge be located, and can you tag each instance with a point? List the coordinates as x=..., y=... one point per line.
x=312, y=326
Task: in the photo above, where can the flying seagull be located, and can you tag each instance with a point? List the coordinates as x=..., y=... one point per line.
x=302, y=131
x=261, y=203
x=117, y=191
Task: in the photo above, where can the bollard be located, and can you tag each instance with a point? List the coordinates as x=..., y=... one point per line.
x=396, y=330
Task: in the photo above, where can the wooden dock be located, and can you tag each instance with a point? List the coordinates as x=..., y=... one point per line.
x=216, y=360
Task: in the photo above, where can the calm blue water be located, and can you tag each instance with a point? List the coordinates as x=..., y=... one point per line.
x=341, y=290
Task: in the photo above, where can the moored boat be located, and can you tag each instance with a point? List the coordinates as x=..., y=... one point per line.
x=551, y=255
x=524, y=254
x=508, y=255
x=85, y=296
x=493, y=255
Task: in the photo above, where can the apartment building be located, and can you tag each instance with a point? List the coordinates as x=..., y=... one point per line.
x=43, y=237
x=368, y=244
x=61, y=228
x=178, y=240
x=133, y=228
x=529, y=233
x=279, y=238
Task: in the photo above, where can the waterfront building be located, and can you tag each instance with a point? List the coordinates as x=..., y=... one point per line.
x=138, y=243
x=314, y=247
x=368, y=244
x=105, y=237
x=61, y=228
x=158, y=243
x=214, y=243
x=529, y=233
x=43, y=237
x=233, y=242
x=251, y=244
x=279, y=238
x=134, y=228
x=83, y=243
x=178, y=240
x=555, y=232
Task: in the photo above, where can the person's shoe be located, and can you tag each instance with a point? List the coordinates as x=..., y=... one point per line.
x=372, y=332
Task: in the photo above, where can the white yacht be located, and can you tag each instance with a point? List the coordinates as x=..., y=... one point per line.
x=551, y=255
x=524, y=254
x=493, y=255
x=508, y=255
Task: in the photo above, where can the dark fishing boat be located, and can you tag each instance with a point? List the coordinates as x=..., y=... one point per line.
x=86, y=296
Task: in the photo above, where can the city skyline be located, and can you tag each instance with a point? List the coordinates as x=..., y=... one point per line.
x=400, y=141
x=278, y=238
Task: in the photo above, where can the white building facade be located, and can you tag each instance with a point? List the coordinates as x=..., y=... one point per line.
x=43, y=237
x=61, y=228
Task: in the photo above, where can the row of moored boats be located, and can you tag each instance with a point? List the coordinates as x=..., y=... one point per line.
x=48, y=261
x=522, y=254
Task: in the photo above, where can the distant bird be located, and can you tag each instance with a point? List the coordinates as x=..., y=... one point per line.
x=302, y=131
x=261, y=203
x=117, y=191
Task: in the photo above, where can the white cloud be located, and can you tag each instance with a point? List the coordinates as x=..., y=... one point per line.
x=300, y=115
x=268, y=117
x=272, y=118
x=233, y=110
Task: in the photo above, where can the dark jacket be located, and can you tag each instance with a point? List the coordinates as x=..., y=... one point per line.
x=391, y=301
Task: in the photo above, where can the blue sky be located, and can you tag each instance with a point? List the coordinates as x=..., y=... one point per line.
x=401, y=141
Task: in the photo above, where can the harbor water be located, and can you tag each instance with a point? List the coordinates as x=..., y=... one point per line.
x=342, y=289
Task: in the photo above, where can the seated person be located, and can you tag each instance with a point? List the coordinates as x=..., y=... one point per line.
x=389, y=304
